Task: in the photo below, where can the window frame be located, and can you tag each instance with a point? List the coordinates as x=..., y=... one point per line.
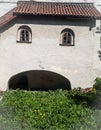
x=24, y=39
x=69, y=34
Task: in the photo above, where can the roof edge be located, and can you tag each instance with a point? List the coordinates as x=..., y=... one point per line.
x=55, y=2
x=8, y=17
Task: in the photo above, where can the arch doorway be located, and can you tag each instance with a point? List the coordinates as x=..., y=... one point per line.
x=39, y=80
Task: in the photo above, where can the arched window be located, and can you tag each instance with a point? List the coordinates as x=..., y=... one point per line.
x=24, y=35
x=67, y=37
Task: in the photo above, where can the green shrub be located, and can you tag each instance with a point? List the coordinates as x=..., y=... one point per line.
x=97, y=84
x=52, y=110
x=97, y=100
x=82, y=97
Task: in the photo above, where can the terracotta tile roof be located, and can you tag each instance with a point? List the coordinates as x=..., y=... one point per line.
x=54, y=8
x=7, y=18
x=50, y=8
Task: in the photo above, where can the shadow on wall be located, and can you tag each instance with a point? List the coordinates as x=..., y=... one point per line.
x=39, y=80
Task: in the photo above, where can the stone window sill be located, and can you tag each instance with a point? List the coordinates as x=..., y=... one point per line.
x=23, y=41
x=66, y=44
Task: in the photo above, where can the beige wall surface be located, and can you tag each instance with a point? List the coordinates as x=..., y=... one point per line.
x=79, y=63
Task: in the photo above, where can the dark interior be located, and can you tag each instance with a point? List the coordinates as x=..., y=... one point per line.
x=39, y=80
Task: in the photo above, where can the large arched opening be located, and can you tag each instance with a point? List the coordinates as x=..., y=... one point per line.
x=39, y=80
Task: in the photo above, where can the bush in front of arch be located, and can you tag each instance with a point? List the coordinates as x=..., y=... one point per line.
x=51, y=110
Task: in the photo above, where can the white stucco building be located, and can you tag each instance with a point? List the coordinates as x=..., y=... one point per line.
x=57, y=37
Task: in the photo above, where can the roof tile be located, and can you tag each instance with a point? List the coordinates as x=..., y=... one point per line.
x=50, y=8
x=7, y=18
x=54, y=8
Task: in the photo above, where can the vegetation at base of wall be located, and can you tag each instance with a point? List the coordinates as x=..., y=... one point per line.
x=51, y=110
x=97, y=84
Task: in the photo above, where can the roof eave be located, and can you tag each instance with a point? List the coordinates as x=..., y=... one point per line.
x=38, y=14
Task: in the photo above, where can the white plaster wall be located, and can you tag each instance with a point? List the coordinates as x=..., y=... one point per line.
x=96, y=59
x=74, y=62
